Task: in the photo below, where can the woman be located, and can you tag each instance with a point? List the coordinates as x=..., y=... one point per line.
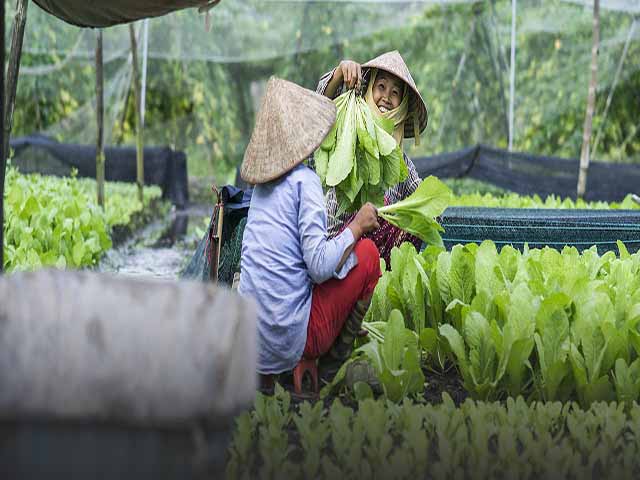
x=390, y=93
x=311, y=292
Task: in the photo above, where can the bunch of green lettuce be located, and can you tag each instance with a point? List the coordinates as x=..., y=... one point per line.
x=547, y=324
x=417, y=213
x=359, y=157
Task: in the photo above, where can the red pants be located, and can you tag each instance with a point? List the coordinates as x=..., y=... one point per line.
x=333, y=300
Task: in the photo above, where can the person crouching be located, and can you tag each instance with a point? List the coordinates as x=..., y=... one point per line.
x=312, y=292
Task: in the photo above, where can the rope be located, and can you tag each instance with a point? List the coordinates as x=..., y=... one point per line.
x=613, y=87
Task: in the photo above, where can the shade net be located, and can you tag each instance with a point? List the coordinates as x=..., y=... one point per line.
x=204, y=81
x=162, y=166
x=533, y=174
x=538, y=228
x=105, y=14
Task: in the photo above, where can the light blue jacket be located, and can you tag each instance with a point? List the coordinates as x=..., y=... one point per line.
x=285, y=251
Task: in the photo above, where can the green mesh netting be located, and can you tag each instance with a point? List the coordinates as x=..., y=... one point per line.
x=230, y=254
x=232, y=232
x=538, y=228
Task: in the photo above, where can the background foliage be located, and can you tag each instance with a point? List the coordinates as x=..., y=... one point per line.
x=203, y=89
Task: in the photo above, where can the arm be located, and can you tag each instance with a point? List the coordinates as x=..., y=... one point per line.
x=347, y=72
x=327, y=258
x=365, y=221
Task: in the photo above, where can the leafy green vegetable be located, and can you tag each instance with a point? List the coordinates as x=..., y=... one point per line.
x=408, y=440
x=393, y=351
x=416, y=213
x=552, y=325
x=513, y=200
x=359, y=157
x=56, y=222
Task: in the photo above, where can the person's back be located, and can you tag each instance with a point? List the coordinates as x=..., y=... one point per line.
x=273, y=262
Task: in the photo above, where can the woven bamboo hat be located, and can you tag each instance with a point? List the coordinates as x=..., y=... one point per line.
x=290, y=125
x=392, y=62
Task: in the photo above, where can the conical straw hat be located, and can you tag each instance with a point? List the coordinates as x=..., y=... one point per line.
x=393, y=63
x=290, y=125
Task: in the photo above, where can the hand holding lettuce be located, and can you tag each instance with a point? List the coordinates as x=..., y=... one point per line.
x=361, y=160
x=416, y=214
x=359, y=157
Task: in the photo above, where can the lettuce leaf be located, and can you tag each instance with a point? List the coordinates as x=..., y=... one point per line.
x=416, y=213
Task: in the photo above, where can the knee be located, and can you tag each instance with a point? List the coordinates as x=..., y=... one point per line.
x=368, y=256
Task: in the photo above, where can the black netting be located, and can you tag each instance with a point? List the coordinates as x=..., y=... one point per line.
x=162, y=165
x=528, y=174
x=539, y=228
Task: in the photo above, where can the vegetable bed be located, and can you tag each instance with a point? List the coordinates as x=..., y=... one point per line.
x=380, y=439
x=513, y=200
x=56, y=222
x=491, y=364
x=546, y=324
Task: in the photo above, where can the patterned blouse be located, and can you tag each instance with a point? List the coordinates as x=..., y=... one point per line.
x=387, y=236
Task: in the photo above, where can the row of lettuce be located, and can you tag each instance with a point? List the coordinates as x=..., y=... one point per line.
x=545, y=324
x=56, y=221
x=380, y=439
x=52, y=221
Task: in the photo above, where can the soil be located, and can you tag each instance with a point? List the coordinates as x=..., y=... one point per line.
x=436, y=383
x=439, y=383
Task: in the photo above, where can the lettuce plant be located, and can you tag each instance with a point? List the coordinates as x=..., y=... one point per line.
x=359, y=157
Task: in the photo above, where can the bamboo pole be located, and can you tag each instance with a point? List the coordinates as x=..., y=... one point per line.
x=145, y=58
x=139, y=127
x=3, y=158
x=13, y=69
x=100, y=160
x=591, y=101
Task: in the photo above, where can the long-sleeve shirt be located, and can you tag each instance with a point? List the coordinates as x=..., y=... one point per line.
x=285, y=251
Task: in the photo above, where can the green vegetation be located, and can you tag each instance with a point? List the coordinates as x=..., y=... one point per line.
x=466, y=185
x=513, y=200
x=359, y=157
x=416, y=214
x=458, y=55
x=545, y=324
x=379, y=439
x=56, y=222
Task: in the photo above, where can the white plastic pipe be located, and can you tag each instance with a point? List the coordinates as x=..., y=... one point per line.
x=512, y=82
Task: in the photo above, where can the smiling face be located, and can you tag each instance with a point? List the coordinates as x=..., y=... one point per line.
x=387, y=91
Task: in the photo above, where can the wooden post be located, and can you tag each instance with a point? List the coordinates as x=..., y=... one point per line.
x=138, y=99
x=17, y=36
x=100, y=121
x=591, y=101
x=3, y=157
